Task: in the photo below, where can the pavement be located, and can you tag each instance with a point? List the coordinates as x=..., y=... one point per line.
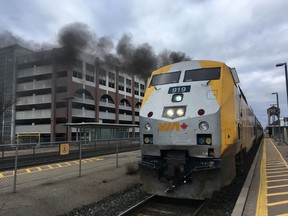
x=265, y=191
x=64, y=194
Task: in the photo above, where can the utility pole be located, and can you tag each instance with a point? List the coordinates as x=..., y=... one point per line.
x=67, y=99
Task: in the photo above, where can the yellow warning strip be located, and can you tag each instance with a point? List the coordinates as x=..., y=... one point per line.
x=277, y=186
x=276, y=168
x=261, y=209
x=43, y=168
x=286, y=214
x=284, y=161
x=277, y=203
x=277, y=176
x=75, y=162
x=274, y=164
x=278, y=194
x=283, y=171
x=277, y=180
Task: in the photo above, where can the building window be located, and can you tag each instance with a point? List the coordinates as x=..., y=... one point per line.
x=111, y=80
x=78, y=63
x=102, y=77
x=88, y=96
x=121, y=83
x=128, y=85
x=142, y=90
x=77, y=74
x=90, y=67
x=78, y=94
x=89, y=78
x=136, y=88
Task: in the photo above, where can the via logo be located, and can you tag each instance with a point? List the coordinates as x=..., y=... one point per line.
x=171, y=126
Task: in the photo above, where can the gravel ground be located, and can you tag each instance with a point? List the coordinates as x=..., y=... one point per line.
x=222, y=203
x=113, y=204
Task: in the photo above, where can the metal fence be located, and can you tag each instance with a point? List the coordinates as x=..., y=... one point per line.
x=21, y=165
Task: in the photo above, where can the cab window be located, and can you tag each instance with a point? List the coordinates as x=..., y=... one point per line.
x=202, y=74
x=161, y=79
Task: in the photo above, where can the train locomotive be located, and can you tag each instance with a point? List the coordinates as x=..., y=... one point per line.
x=195, y=129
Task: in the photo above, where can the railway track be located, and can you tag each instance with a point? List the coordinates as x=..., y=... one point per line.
x=155, y=205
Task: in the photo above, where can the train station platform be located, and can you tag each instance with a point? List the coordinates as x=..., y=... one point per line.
x=62, y=195
x=265, y=191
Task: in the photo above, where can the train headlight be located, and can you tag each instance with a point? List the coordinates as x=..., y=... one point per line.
x=170, y=113
x=203, y=126
x=148, y=127
x=177, y=98
x=180, y=112
x=174, y=112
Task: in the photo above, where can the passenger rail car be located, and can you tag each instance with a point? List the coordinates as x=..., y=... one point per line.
x=195, y=128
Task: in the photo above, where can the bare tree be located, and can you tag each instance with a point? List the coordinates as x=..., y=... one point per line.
x=5, y=105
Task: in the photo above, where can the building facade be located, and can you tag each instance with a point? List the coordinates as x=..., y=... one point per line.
x=8, y=57
x=52, y=89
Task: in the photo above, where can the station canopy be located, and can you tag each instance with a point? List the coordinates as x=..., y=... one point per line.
x=100, y=131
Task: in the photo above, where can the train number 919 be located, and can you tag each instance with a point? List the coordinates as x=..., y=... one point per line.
x=178, y=89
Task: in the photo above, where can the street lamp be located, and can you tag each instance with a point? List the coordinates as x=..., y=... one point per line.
x=276, y=93
x=67, y=99
x=285, y=65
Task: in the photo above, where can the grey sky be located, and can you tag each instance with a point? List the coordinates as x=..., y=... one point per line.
x=251, y=36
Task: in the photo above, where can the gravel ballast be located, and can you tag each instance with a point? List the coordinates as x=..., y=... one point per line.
x=113, y=204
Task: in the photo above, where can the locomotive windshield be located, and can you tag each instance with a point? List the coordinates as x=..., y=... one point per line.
x=161, y=79
x=202, y=74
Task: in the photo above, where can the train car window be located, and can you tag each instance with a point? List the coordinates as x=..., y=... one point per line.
x=161, y=79
x=202, y=74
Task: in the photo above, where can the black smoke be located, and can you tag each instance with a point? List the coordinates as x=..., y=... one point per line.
x=127, y=57
x=7, y=38
x=170, y=57
x=140, y=60
x=74, y=38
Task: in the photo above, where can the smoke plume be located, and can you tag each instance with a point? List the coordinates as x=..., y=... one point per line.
x=7, y=38
x=74, y=37
x=140, y=59
x=134, y=59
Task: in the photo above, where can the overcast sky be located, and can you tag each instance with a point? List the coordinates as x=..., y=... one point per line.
x=251, y=36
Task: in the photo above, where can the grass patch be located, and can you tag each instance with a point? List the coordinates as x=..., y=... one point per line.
x=132, y=168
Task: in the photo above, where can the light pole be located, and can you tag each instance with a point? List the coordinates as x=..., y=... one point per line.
x=276, y=93
x=285, y=66
x=67, y=114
